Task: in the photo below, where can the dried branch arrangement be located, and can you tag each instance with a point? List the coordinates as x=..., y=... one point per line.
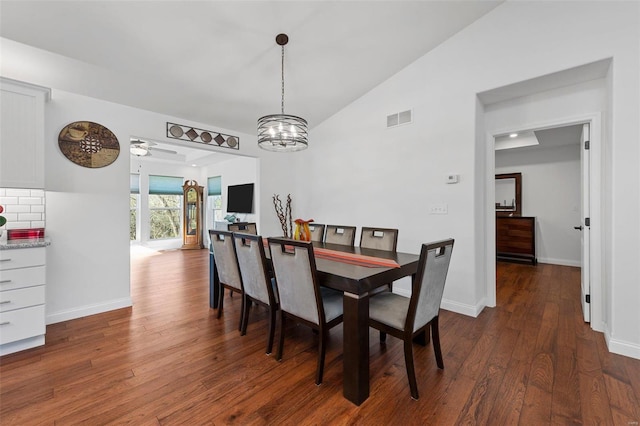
x=284, y=215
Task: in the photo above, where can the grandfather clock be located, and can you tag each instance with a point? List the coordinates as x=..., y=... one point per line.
x=192, y=224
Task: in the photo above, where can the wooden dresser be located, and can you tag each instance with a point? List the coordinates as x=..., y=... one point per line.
x=516, y=238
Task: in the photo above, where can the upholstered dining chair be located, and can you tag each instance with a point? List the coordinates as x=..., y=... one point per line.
x=337, y=234
x=301, y=300
x=259, y=287
x=379, y=238
x=404, y=317
x=317, y=231
x=224, y=255
x=244, y=227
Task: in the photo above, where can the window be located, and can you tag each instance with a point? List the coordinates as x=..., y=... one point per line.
x=165, y=207
x=214, y=201
x=134, y=203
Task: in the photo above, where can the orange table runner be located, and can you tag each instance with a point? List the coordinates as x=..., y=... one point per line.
x=351, y=258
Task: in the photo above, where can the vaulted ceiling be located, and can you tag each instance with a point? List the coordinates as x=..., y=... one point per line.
x=217, y=61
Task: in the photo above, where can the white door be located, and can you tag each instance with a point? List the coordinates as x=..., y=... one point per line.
x=584, y=226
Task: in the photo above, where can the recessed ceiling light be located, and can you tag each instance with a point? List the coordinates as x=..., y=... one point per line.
x=513, y=135
x=194, y=165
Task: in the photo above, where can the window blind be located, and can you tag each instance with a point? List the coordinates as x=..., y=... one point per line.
x=165, y=185
x=214, y=185
x=134, y=183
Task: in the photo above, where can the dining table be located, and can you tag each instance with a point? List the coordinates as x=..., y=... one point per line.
x=355, y=272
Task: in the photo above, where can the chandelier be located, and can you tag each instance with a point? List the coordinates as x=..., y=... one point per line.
x=282, y=132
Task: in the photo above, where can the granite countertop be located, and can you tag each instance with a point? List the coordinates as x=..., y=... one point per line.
x=26, y=243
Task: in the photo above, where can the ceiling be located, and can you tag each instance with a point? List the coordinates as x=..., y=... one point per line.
x=216, y=62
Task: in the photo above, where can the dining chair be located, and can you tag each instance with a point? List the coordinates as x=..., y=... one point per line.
x=404, y=317
x=259, y=287
x=337, y=234
x=379, y=238
x=317, y=231
x=301, y=299
x=224, y=255
x=244, y=227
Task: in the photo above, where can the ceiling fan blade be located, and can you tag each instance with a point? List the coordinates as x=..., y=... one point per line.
x=168, y=151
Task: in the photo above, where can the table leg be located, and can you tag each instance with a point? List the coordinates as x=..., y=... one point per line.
x=214, y=283
x=356, y=347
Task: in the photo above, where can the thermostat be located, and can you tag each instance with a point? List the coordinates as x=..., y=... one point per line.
x=452, y=178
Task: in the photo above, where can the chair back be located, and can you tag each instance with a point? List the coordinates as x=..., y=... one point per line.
x=379, y=238
x=337, y=234
x=317, y=231
x=224, y=255
x=428, y=287
x=244, y=227
x=253, y=267
x=294, y=266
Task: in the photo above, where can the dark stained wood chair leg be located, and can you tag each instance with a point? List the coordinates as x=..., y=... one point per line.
x=411, y=372
x=383, y=337
x=281, y=337
x=422, y=338
x=436, y=342
x=245, y=318
x=220, y=302
x=322, y=345
x=272, y=329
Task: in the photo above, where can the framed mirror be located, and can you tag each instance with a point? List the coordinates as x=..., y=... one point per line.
x=192, y=216
x=509, y=194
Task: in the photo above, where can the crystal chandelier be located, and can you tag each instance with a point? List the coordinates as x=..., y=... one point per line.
x=282, y=132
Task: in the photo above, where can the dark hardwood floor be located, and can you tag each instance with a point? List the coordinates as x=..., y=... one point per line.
x=169, y=361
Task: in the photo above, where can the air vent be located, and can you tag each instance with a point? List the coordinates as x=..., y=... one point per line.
x=399, y=118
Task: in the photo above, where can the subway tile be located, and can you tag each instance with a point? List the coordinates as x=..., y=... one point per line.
x=37, y=224
x=29, y=216
x=36, y=208
x=18, y=192
x=18, y=225
x=11, y=217
x=8, y=200
x=37, y=193
x=3, y=192
x=30, y=200
x=17, y=208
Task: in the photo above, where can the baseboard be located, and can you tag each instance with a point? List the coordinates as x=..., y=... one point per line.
x=561, y=262
x=450, y=305
x=83, y=311
x=463, y=308
x=621, y=347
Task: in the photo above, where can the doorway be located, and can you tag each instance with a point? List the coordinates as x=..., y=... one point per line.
x=553, y=167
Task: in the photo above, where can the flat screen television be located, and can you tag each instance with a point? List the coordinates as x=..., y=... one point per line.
x=240, y=198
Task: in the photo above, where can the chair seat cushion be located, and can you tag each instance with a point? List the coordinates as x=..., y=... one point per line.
x=332, y=301
x=389, y=308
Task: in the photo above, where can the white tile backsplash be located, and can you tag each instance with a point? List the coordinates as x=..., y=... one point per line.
x=23, y=208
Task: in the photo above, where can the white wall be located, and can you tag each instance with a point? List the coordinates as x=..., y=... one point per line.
x=391, y=177
x=551, y=193
x=356, y=171
x=88, y=209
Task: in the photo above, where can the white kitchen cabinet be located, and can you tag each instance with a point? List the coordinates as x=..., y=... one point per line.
x=22, y=299
x=22, y=134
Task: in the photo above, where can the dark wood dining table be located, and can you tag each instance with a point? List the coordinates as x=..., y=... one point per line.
x=356, y=282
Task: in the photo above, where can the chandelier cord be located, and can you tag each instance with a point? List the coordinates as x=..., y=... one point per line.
x=282, y=103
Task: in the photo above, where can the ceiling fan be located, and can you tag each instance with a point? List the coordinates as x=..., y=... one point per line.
x=141, y=148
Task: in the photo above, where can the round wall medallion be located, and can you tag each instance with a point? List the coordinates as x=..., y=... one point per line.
x=88, y=144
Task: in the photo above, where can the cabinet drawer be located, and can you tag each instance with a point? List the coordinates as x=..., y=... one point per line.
x=18, y=278
x=21, y=324
x=21, y=298
x=22, y=258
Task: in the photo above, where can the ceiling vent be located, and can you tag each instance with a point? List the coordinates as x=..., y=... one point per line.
x=399, y=118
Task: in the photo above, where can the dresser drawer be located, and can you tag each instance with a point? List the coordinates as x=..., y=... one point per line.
x=22, y=258
x=21, y=324
x=12, y=279
x=21, y=298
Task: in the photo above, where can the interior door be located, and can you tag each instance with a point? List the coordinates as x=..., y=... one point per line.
x=585, y=231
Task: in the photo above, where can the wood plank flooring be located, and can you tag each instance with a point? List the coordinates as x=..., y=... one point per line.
x=169, y=361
